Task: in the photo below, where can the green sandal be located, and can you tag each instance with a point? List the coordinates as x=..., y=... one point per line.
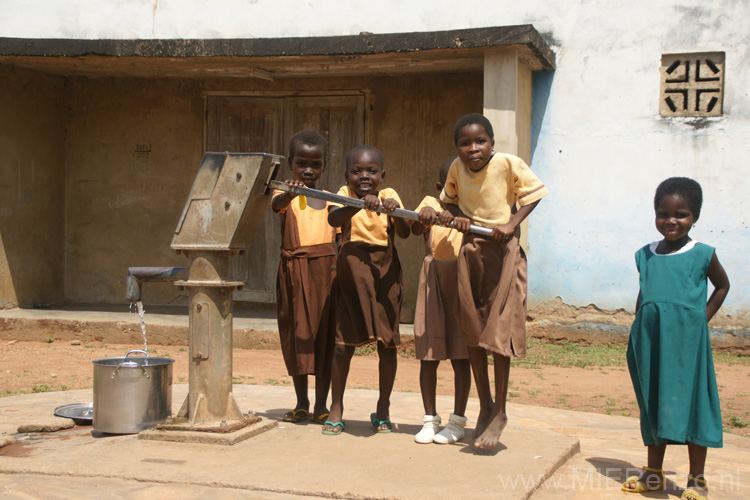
x=377, y=424
x=333, y=431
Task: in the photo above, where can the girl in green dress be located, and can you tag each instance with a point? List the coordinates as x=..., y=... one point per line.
x=669, y=353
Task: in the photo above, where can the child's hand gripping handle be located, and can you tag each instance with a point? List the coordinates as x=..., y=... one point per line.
x=359, y=203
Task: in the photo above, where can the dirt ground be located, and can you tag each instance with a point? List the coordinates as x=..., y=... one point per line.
x=27, y=367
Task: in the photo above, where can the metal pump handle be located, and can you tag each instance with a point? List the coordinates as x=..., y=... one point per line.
x=358, y=203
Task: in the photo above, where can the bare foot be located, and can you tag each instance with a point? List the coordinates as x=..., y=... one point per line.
x=482, y=421
x=491, y=435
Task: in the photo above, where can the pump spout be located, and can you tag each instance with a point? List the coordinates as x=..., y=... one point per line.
x=137, y=275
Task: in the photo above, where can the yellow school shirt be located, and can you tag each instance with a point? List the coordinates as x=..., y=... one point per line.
x=369, y=227
x=446, y=241
x=312, y=225
x=488, y=196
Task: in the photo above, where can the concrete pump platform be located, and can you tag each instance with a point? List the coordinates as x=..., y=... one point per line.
x=545, y=454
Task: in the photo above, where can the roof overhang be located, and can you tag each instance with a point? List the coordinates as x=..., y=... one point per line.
x=271, y=58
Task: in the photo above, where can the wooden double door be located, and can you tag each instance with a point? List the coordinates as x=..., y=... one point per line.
x=265, y=124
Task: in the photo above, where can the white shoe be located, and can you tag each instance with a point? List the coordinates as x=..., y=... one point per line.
x=452, y=432
x=430, y=427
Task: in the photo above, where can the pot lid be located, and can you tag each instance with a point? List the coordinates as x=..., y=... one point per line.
x=78, y=411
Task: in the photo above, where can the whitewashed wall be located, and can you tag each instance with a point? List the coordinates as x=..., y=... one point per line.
x=598, y=142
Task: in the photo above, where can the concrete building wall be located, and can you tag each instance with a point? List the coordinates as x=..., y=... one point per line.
x=133, y=147
x=598, y=142
x=602, y=147
x=32, y=151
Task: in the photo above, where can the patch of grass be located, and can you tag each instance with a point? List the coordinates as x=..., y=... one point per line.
x=731, y=359
x=562, y=400
x=736, y=422
x=88, y=346
x=247, y=379
x=512, y=394
x=42, y=388
x=49, y=339
x=567, y=353
x=182, y=349
x=11, y=393
x=271, y=381
x=533, y=392
x=365, y=350
x=623, y=412
x=368, y=387
x=407, y=352
x=181, y=378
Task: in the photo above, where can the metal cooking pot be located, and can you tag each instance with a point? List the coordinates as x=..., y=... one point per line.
x=131, y=394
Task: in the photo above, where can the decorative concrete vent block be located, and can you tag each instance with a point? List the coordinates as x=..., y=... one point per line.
x=692, y=84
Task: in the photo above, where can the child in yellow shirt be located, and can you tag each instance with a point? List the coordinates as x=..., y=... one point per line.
x=370, y=282
x=437, y=333
x=305, y=279
x=483, y=188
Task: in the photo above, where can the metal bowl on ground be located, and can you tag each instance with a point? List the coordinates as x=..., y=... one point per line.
x=131, y=394
x=81, y=413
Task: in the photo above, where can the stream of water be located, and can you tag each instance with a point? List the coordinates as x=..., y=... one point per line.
x=140, y=311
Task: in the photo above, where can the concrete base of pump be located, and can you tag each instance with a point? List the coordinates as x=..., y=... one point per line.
x=183, y=432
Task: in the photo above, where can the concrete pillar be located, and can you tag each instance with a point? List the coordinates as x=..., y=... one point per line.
x=507, y=100
x=507, y=104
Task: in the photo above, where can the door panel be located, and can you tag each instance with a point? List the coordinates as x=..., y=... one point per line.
x=265, y=124
x=340, y=119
